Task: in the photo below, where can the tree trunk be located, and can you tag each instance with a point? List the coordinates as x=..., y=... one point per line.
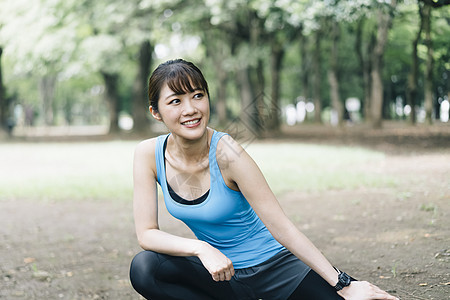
x=260, y=76
x=317, y=78
x=3, y=105
x=256, y=76
x=216, y=49
x=428, y=85
x=112, y=99
x=304, y=77
x=263, y=112
x=276, y=59
x=376, y=98
x=221, y=107
x=333, y=77
x=249, y=113
x=411, y=89
x=47, y=90
x=365, y=67
x=140, y=99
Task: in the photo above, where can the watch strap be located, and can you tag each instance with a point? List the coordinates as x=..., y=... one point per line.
x=343, y=280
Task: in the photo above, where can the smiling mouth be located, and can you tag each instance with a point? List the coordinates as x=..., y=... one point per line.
x=192, y=122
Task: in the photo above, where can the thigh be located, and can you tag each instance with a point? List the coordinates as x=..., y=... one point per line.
x=314, y=287
x=274, y=279
x=160, y=276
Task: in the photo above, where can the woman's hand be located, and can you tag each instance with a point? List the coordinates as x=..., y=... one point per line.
x=218, y=265
x=363, y=290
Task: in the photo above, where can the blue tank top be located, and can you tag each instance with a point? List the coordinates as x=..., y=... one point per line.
x=224, y=219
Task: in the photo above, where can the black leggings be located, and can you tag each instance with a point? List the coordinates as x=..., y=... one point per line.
x=163, y=277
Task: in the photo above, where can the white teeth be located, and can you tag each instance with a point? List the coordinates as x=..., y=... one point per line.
x=191, y=122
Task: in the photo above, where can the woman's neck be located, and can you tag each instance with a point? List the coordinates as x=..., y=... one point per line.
x=190, y=151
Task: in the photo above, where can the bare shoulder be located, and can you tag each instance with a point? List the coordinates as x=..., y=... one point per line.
x=144, y=155
x=146, y=147
x=238, y=169
x=228, y=150
x=231, y=156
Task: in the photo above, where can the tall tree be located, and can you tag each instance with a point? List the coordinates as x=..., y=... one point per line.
x=115, y=27
x=107, y=59
x=245, y=38
x=145, y=21
x=305, y=66
x=41, y=36
x=47, y=85
x=428, y=85
x=140, y=98
x=3, y=106
x=112, y=98
x=251, y=91
x=218, y=50
x=411, y=91
x=276, y=59
x=277, y=35
x=426, y=18
x=333, y=71
x=384, y=19
x=364, y=53
x=317, y=78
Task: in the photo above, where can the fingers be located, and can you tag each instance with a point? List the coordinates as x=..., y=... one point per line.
x=380, y=294
x=224, y=274
x=229, y=273
x=218, y=265
x=364, y=290
x=221, y=276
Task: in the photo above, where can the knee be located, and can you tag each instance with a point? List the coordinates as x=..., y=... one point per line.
x=142, y=269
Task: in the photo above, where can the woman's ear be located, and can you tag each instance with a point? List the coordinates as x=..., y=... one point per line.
x=154, y=113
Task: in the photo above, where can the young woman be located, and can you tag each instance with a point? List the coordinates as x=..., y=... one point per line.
x=246, y=247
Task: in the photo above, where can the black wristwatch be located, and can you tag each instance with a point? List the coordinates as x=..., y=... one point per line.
x=343, y=281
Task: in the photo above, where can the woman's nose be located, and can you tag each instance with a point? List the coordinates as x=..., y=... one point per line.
x=188, y=107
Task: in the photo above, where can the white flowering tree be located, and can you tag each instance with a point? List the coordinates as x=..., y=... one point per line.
x=57, y=40
x=41, y=38
x=105, y=48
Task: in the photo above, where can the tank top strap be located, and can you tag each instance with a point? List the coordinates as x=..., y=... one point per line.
x=159, y=157
x=217, y=135
x=213, y=165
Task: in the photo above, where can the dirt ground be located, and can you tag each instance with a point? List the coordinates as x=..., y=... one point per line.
x=396, y=237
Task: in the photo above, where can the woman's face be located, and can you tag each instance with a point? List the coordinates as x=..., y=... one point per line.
x=186, y=115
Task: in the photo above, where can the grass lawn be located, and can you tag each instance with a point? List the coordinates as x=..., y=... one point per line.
x=103, y=170
x=67, y=215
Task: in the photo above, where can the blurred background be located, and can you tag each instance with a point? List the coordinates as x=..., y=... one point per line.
x=80, y=67
x=344, y=105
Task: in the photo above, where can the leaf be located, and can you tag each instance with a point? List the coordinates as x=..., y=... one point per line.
x=29, y=260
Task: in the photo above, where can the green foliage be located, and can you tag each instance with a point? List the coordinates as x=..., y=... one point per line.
x=428, y=207
x=72, y=39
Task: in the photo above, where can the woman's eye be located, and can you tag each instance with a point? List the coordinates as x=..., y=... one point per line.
x=198, y=96
x=174, y=101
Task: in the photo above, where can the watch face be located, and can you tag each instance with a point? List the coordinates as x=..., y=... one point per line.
x=345, y=279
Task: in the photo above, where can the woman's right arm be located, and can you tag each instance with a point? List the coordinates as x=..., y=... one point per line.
x=150, y=237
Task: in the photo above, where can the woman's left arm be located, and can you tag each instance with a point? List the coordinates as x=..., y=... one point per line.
x=239, y=170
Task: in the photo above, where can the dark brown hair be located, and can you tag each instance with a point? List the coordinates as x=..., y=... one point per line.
x=181, y=77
